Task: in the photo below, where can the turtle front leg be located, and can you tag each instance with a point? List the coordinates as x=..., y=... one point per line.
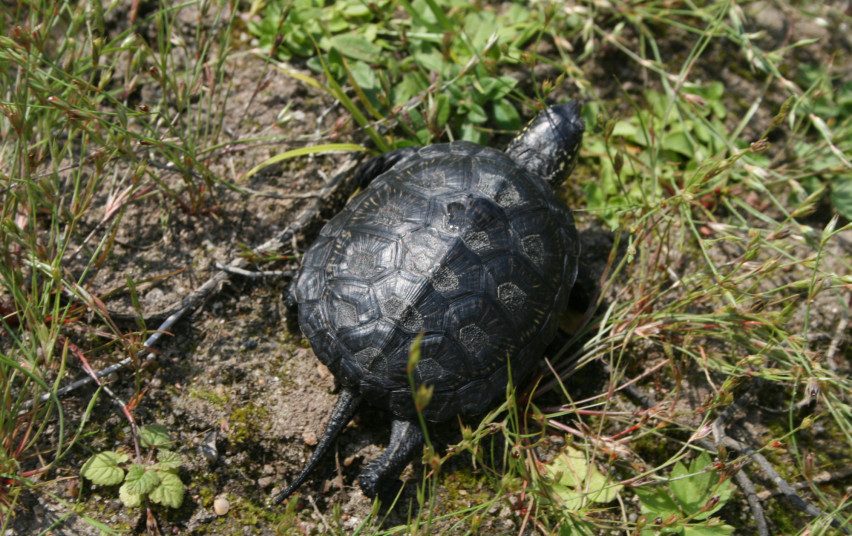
x=291, y=307
x=381, y=477
x=374, y=167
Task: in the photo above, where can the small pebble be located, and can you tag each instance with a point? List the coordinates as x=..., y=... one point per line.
x=323, y=371
x=221, y=505
x=154, y=296
x=72, y=488
x=309, y=438
x=208, y=447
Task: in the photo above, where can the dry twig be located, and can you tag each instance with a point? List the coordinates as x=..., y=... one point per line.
x=753, y=499
x=783, y=487
x=252, y=274
x=742, y=479
x=122, y=406
x=819, y=478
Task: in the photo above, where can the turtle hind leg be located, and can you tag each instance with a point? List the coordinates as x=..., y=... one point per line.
x=374, y=167
x=585, y=291
x=596, y=258
x=381, y=477
x=342, y=413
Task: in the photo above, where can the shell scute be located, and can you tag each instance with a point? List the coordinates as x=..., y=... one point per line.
x=458, y=243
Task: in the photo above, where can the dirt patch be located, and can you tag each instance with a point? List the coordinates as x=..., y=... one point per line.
x=168, y=250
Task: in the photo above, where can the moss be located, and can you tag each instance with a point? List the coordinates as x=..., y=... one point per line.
x=100, y=510
x=246, y=517
x=285, y=361
x=463, y=488
x=218, y=397
x=245, y=422
x=782, y=517
x=652, y=448
x=206, y=485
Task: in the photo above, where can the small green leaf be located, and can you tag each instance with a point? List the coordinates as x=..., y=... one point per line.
x=432, y=61
x=364, y=75
x=140, y=480
x=723, y=491
x=595, y=196
x=569, y=468
x=656, y=501
x=693, y=487
x=356, y=46
x=336, y=23
x=494, y=89
x=697, y=467
x=688, y=488
x=600, y=488
x=569, y=498
x=168, y=460
x=677, y=142
x=476, y=114
x=707, y=530
x=471, y=133
x=576, y=527
x=128, y=497
x=506, y=116
x=841, y=196
x=102, y=468
x=354, y=9
x=442, y=110
x=169, y=492
x=410, y=85
x=629, y=130
x=154, y=436
x=577, y=480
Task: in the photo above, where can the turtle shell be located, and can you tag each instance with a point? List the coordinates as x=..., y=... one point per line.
x=459, y=243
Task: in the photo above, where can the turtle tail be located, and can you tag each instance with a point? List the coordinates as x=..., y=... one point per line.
x=342, y=413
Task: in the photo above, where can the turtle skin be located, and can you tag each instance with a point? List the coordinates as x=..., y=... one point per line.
x=456, y=242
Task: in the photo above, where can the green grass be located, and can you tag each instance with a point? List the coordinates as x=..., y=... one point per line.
x=719, y=159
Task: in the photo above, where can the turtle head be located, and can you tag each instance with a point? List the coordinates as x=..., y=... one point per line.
x=548, y=146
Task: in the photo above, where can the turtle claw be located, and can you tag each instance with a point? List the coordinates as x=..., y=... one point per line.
x=381, y=478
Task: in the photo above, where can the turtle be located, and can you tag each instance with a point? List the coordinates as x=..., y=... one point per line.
x=460, y=248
